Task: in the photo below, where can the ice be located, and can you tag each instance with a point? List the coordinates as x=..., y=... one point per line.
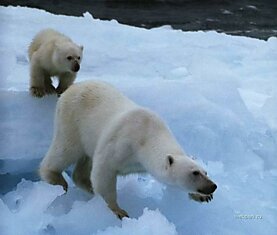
x=15, y=112
x=269, y=112
x=154, y=221
x=217, y=93
x=25, y=206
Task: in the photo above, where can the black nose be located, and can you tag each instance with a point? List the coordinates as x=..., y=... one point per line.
x=75, y=67
x=208, y=189
x=214, y=187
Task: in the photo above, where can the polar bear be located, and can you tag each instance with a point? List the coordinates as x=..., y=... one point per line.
x=106, y=134
x=53, y=54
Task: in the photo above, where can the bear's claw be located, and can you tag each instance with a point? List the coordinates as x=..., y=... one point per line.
x=37, y=92
x=120, y=213
x=60, y=90
x=50, y=90
x=201, y=197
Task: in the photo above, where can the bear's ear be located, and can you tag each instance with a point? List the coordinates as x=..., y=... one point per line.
x=170, y=160
x=82, y=47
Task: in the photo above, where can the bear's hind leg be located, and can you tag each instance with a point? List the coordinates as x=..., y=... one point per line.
x=81, y=174
x=56, y=160
x=53, y=177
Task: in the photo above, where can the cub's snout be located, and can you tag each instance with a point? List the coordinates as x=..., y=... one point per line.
x=75, y=67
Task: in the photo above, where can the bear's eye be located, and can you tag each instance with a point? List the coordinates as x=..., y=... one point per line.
x=78, y=57
x=196, y=173
x=69, y=57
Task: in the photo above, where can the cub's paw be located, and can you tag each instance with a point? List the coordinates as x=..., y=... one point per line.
x=60, y=90
x=37, y=91
x=50, y=90
x=199, y=197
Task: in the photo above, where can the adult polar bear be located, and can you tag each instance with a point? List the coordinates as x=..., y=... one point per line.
x=107, y=134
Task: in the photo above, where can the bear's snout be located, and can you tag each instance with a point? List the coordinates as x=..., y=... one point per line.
x=75, y=67
x=214, y=187
x=208, y=189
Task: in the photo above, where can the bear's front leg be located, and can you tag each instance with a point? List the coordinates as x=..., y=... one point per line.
x=65, y=80
x=199, y=197
x=49, y=88
x=104, y=183
x=37, y=86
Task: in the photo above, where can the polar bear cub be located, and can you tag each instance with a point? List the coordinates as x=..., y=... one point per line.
x=106, y=135
x=53, y=54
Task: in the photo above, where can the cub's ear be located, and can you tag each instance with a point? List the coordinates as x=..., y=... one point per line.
x=170, y=160
x=81, y=47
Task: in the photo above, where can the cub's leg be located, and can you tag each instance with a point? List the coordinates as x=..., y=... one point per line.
x=81, y=174
x=65, y=80
x=49, y=88
x=37, y=79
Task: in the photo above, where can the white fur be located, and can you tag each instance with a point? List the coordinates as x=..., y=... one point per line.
x=107, y=134
x=53, y=54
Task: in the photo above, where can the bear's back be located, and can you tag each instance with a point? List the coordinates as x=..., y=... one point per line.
x=43, y=37
x=91, y=94
x=93, y=100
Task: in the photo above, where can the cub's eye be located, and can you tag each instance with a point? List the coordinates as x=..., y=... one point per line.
x=196, y=173
x=69, y=57
x=78, y=57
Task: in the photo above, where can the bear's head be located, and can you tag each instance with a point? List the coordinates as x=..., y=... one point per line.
x=67, y=56
x=184, y=172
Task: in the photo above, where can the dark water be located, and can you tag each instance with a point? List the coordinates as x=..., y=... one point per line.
x=253, y=18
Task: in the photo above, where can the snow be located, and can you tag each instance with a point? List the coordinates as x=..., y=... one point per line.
x=216, y=92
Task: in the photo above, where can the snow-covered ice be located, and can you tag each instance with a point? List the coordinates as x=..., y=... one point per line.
x=217, y=93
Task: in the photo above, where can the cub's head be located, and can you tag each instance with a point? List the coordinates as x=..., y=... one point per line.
x=68, y=56
x=184, y=172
